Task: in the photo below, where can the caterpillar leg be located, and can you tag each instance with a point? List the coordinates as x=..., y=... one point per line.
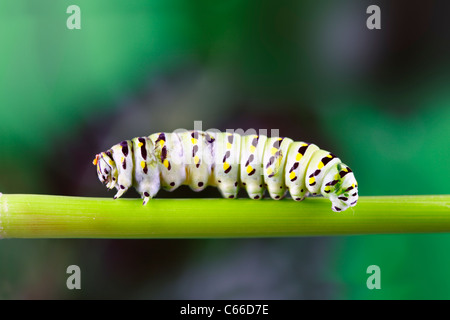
x=255, y=192
x=123, y=184
x=148, y=188
x=146, y=171
x=120, y=191
x=298, y=196
x=148, y=192
x=146, y=196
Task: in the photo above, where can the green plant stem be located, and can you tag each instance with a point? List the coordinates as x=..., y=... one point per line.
x=44, y=216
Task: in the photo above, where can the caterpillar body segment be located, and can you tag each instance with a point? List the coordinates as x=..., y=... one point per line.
x=274, y=161
x=298, y=159
x=227, y=161
x=167, y=149
x=227, y=150
x=146, y=171
x=251, y=165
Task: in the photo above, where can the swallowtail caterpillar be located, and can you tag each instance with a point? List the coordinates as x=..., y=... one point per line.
x=227, y=161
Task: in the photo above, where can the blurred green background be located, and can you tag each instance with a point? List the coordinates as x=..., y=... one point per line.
x=379, y=99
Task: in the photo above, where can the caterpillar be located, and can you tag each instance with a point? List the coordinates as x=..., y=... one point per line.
x=227, y=161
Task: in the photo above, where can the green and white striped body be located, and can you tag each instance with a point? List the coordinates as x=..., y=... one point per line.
x=227, y=161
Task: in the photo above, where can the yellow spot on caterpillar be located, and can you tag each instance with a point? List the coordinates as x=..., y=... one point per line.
x=228, y=145
x=161, y=143
x=196, y=159
x=320, y=165
x=298, y=157
x=194, y=141
x=269, y=171
x=111, y=162
x=225, y=166
x=122, y=159
x=249, y=169
x=304, y=144
x=142, y=164
x=327, y=188
x=95, y=161
x=273, y=151
x=166, y=163
x=252, y=149
x=312, y=180
x=330, y=156
x=140, y=144
x=292, y=175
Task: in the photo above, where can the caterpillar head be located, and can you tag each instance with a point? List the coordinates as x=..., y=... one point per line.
x=106, y=169
x=341, y=187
